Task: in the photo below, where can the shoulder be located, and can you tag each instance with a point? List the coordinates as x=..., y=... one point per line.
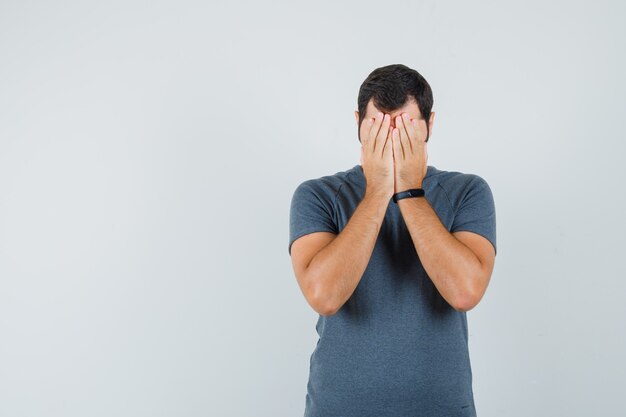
x=324, y=187
x=457, y=185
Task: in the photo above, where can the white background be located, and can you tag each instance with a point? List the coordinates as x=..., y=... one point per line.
x=149, y=152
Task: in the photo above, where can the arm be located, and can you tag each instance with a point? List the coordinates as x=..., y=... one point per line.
x=460, y=274
x=459, y=264
x=335, y=271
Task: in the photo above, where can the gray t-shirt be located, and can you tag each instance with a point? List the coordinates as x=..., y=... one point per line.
x=396, y=347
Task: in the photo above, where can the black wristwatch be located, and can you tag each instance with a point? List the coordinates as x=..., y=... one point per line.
x=415, y=192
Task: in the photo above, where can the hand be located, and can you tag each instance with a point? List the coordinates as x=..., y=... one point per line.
x=410, y=153
x=377, y=156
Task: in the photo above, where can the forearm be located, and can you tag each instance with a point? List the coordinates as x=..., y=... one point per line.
x=339, y=266
x=445, y=259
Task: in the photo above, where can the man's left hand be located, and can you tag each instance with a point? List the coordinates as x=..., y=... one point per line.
x=410, y=153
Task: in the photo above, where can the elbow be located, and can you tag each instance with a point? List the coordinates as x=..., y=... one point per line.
x=470, y=296
x=463, y=306
x=322, y=304
x=323, y=309
x=320, y=295
x=467, y=301
x=323, y=300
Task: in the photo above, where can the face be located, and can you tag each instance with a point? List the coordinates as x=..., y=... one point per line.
x=411, y=108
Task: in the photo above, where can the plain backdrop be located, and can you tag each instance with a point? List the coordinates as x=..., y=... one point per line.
x=149, y=151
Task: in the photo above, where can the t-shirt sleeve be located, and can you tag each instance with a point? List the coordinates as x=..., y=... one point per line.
x=476, y=211
x=311, y=211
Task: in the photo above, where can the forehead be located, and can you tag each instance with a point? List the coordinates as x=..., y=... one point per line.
x=410, y=107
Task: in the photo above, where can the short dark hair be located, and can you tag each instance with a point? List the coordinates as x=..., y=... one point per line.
x=391, y=87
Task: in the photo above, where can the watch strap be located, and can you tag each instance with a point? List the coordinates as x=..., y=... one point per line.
x=415, y=192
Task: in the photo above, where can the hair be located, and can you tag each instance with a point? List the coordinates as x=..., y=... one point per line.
x=392, y=87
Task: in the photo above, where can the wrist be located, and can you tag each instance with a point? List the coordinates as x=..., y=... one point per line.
x=378, y=194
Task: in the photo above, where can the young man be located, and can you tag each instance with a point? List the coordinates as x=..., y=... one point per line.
x=392, y=253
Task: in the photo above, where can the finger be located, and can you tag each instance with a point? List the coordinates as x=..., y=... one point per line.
x=425, y=157
x=409, y=129
x=404, y=140
x=367, y=125
x=388, y=145
x=375, y=128
x=405, y=131
x=384, y=131
x=396, y=139
x=397, y=150
x=416, y=128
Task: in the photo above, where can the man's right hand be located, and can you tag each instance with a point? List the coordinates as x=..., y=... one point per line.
x=377, y=156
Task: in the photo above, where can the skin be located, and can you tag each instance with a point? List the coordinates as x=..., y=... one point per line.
x=460, y=264
x=394, y=158
x=329, y=266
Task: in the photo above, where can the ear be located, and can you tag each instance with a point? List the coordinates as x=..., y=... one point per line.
x=356, y=116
